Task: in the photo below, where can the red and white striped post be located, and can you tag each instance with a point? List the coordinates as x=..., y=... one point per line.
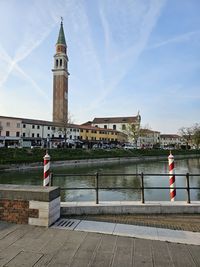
x=172, y=177
x=46, y=177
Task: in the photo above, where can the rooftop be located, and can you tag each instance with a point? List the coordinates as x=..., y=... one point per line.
x=132, y=119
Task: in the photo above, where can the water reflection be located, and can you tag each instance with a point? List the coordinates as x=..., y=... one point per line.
x=182, y=166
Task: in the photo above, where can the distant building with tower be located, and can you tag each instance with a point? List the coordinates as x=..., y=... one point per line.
x=30, y=132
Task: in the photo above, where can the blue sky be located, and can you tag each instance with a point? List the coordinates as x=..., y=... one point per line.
x=124, y=56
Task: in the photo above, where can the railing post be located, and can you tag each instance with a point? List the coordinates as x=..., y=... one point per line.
x=142, y=187
x=51, y=179
x=97, y=187
x=188, y=187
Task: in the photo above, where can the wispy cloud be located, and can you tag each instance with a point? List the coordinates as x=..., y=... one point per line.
x=120, y=59
x=178, y=39
x=11, y=65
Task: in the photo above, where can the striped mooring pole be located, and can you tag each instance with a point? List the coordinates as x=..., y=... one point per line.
x=46, y=177
x=172, y=177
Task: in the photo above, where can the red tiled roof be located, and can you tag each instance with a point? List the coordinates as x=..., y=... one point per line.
x=148, y=131
x=132, y=119
x=169, y=136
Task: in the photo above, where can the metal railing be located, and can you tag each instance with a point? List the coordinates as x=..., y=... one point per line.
x=142, y=187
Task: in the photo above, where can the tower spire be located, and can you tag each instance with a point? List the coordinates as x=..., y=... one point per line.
x=61, y=36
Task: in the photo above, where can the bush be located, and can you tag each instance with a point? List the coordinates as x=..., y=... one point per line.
x=26, y=155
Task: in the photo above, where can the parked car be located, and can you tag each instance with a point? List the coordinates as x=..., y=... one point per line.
x=129, y=146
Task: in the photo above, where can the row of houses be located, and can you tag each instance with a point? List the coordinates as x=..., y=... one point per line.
x=30, y=132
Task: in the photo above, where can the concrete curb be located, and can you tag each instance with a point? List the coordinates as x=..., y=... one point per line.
x=128, y=207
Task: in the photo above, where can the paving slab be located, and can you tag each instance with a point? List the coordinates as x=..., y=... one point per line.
x=136, y=231
x=98, y=227
x=24, y=258
x=176, y=236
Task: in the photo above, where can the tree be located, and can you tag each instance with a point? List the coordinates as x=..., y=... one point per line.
x=64, y=127
x=132, y=132
x=191, y=135
x=196, y=135
x=186, y=133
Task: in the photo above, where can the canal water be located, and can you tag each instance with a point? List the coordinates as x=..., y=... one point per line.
x=182, y=167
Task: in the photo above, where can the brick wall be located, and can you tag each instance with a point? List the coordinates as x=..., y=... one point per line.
x=16, y=211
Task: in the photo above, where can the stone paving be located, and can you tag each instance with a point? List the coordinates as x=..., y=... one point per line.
x=25, y=245
x=186, y=222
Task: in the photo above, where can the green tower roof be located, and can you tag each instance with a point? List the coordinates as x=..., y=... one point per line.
x=61, y=36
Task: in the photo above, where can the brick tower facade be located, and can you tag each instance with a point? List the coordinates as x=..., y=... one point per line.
x=60, y=80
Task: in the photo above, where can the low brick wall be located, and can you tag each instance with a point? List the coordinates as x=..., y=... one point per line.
x=33, y=205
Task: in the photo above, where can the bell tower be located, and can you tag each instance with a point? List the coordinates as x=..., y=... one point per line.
x=60, y=79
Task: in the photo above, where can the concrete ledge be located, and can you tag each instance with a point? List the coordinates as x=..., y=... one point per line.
x=29, y=192
x=128, y=207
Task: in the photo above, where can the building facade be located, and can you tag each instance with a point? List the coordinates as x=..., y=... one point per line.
x=10, y=131
x=101, y=135
x=170, y=141
x=22, y=132
x=148, y=138
x=60, y=80
x=117, y=123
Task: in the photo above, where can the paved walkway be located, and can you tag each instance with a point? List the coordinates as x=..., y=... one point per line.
x=186, y=222
x=25, y=245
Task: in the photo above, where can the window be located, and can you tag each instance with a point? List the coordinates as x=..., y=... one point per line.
x=33, y=135
x=52, y=135
x=60, y=62
x=70, y=137
x=8, y=124
x=49, y=128
x=18, y=125
x=24, y=125
x=7, y=133
x=60, y=136
x=70, y=130
x=105, y=126
x=123, y=127
x=33, y=126
x=52, y=128
x=38, y=135
x=17, y=134
x=56, y=62
x=24, y=135
x=114, y=127
x=38, y=127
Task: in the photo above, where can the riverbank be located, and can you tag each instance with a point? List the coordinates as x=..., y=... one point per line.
x=96, y=161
